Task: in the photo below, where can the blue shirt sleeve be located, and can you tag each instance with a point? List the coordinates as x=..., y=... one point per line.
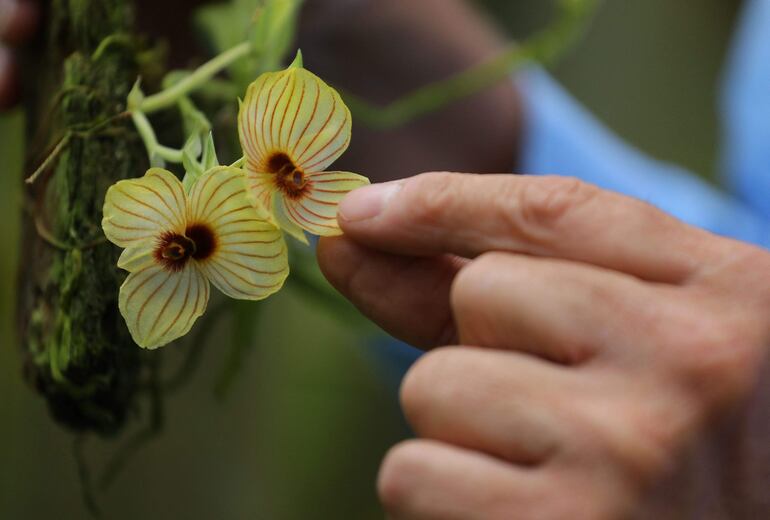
x=746, y=109
x=563, y=138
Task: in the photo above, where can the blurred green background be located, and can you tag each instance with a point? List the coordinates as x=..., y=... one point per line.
x=311, y=413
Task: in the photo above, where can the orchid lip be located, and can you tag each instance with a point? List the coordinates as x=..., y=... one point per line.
x=174, y=250
x=290, y=179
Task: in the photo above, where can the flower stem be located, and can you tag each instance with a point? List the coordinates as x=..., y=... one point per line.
x=146, y=132
x=154, y=149
x=63, y=142
x=201, y=75
x=169, y=154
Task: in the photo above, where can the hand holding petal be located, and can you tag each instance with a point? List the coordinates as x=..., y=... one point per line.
x=317, y=211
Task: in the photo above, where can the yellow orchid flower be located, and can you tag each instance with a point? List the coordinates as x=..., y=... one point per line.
x=176, y=243
x=292, y=126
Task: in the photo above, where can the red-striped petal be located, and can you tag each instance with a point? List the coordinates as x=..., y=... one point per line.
x=316, y=211
x=249, y=260
x=295, y=113
x=160, y=306
x=137, y=211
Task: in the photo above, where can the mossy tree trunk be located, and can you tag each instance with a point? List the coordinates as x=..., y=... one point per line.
x=76, y=348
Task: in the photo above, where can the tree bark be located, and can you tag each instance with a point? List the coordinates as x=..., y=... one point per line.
x=77, y=350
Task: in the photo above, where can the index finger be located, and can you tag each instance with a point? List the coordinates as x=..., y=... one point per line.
x=558, y=217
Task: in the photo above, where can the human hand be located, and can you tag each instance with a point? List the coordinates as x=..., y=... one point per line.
x=18, y=19
x=615, y=337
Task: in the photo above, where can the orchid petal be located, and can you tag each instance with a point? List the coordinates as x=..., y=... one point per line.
x=213, y=195
x=296, y=113
x=316, y=211
x=260, y=189
x=136, y=258
x=291, y=226
x=161, y=305
x=251, y=119
x=249, y=260
x=138, y=210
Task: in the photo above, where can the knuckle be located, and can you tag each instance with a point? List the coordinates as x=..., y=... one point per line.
x=550, y=200
x=430, y=381
x=703, y=363
x=623, y=438
x=721, y=334
x=645, y=436
x=743, y=274
x=716, y=358
x=397, y=472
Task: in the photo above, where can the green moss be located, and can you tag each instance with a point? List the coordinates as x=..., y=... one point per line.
x=78, y=352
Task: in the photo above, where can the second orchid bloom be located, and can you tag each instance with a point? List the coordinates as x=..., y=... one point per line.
x=176, y=243
x=293, y=126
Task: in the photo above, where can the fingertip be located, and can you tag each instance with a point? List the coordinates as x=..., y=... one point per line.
x=401, y=464
x=366, y=202
x=415, y=216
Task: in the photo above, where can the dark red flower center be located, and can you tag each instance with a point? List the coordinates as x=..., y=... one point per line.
x=174, y=250
x=289, y=178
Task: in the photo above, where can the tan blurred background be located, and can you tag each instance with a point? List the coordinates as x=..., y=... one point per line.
x=311, y=413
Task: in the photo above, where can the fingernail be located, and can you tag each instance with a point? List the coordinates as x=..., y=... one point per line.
x=368, y=202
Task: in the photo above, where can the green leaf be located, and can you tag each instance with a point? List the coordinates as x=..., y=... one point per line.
x=194, y=121
x=209, y=159
x=298, y=61
x=268, y=24
x=135, y=96
x=274, y=31
x=193, y=169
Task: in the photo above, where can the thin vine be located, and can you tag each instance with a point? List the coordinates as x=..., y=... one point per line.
x=544, y=48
